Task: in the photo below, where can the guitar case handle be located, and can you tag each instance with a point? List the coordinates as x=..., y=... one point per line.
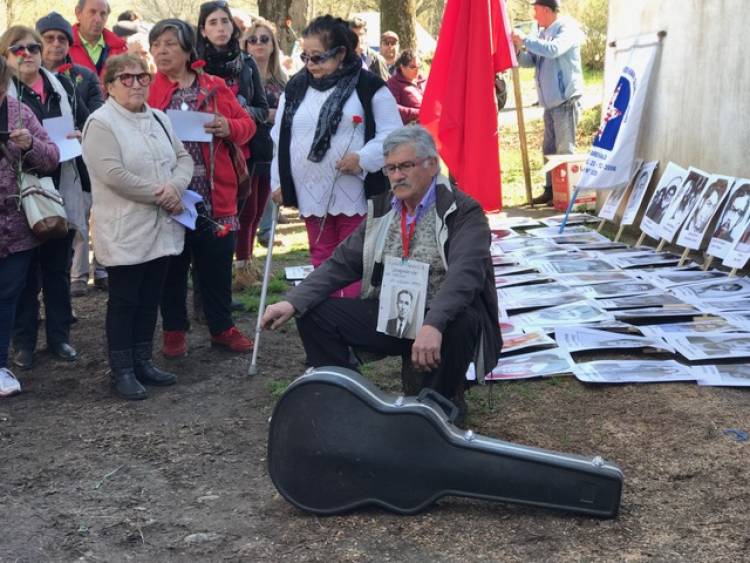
x=450, y=409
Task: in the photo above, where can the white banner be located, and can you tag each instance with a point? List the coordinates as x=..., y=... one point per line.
x=610, y=163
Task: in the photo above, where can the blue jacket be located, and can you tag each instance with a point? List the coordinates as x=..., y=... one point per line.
x=556, y=54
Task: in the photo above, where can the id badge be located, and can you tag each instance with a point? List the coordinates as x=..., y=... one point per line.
x=403, y=297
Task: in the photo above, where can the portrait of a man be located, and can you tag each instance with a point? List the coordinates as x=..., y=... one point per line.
x=704, y=211
x=400, y=325
x=732, y=220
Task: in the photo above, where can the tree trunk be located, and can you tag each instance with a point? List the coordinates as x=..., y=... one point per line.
x=400, y=16
x=276, y=10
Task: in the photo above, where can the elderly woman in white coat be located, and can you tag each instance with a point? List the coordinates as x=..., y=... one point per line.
x=139, y=171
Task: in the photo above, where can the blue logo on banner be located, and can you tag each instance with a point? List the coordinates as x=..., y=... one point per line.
x=609, y=129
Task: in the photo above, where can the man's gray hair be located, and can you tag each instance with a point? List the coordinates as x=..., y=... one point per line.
x=414, y=135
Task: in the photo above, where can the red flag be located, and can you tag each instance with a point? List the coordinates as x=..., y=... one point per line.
x=459, y=106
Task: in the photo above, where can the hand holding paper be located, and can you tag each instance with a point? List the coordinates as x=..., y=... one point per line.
x=189, y=215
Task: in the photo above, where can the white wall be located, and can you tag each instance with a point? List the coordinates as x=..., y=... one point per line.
x=699, y=107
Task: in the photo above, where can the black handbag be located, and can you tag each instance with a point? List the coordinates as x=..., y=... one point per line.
x=261, y=150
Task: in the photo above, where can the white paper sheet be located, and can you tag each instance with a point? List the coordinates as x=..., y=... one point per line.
x=188, y=216
x=711, y=345
x=58, y=128
x=535, y=364
x=188, y=125
x=577, y=339
x=636, y=371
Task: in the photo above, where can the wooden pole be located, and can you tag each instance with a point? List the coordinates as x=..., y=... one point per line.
x=601, y=226
x=640, y=240
x=522, y=134
x=733, y=272
x=708, y=263
x=619, y=233
x=684, y=257
x=661, y=245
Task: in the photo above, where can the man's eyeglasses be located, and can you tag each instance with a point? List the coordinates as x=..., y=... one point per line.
x=127, y=79
x=51, y=38
x=255, y=39
x=405, y=167
x=318, y=59
x=31, y=48
x=390, y=42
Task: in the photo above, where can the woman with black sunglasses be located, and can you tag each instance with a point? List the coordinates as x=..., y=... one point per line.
x=329, y=130
x=48, y=96
x=218, y=43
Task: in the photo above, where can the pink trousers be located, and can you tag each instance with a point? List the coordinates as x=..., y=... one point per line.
x=336, y=229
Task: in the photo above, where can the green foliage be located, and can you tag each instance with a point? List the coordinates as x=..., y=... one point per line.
x=593, y=16
x=276, y=387
x=590, y=121
x=277, y=287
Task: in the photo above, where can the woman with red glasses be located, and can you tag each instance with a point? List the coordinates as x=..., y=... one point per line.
x=407, y=86
x=329, y=131
x=139, y=171
x=218, y=43
x=48, y=96
x=181, y=84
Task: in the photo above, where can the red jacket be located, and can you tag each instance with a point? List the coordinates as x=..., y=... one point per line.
x=241, y=129
x=113, y=45
x=408, y=95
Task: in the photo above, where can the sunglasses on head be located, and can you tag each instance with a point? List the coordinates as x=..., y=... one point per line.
x=318, y=59
x=31, y=48
x=127, y=79
x=255, y=39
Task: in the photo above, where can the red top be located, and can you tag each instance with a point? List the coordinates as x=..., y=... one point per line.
x=241, y=129
x=79, y=55
x=408, y=95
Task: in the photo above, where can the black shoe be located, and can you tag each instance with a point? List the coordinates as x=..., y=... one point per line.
x=101, y=283
x=123, y=376
x=145, y=370
x=64, y=351
x=24, y=358
x=544, y=199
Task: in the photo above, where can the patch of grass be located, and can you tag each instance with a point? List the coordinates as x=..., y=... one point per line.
x=592, y=76
x=277, y=287
x=276, y=387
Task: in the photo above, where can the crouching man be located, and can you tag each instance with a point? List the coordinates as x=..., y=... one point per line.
x=440, y=230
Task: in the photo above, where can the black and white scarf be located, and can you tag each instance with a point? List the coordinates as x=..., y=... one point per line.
x=344, y=80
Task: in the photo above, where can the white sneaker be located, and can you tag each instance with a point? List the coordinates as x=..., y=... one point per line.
x=8, y=383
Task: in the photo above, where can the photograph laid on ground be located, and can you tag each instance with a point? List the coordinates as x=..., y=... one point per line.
x=617, y=197
x=701, y=218
x=739, y=318
x=574, y=266
x=665, y=191
x=520, y=279
x=537, y=296
x=714, y=324
x=592, y=237
x=721, y=305
x=535, y=364
x=617, y=289
x=638, y=193
x=522, y=243
x=581, y=312
x=727, y=288
x=672, y=312
x=637, y=371
x=727, y=375
x=532, y=339
x=651, y=259
x=659, y=299
x=592, y=278
x=733, y=220
x=573, y=219
x=666, y=278
x=550, y=232
x=683, y=203
x=711, y=345
x=578, y=339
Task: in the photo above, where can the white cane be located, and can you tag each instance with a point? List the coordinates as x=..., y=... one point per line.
x=253, y=369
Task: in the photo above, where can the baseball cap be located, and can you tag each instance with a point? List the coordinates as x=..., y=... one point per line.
x=389, y=35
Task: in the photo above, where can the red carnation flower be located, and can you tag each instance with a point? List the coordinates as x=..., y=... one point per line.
x=223, y=231
x=198, y=65
x=356, y=119
x=65, y=69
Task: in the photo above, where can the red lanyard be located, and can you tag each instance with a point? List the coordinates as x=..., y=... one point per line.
x=406, y=234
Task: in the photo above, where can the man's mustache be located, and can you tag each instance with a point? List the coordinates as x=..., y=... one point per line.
x=400, y=184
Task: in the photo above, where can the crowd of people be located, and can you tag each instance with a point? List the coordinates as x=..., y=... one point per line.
x=324, y=115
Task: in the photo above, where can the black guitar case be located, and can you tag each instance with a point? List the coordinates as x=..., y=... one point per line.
x=337, y=442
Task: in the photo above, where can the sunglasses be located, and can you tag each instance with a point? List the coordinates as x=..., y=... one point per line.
x=51, y=38
x=31, y=48
x=127, y=79
x=318, y=59
x=255, y=39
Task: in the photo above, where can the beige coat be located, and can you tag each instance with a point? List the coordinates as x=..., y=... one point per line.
x=129, y=155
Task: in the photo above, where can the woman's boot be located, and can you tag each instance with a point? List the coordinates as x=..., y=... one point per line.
x=145, y=370
x=123, y=375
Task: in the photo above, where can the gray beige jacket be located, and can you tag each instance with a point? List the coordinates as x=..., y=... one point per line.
x=463, y=237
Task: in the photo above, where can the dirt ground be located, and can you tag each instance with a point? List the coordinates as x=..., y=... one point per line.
x=182, y=476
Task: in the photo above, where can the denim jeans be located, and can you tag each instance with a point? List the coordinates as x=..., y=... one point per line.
x=560, y=125
x=13, y=272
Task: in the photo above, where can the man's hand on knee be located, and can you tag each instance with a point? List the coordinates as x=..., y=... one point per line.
x=425, y=352
x=277, y=314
